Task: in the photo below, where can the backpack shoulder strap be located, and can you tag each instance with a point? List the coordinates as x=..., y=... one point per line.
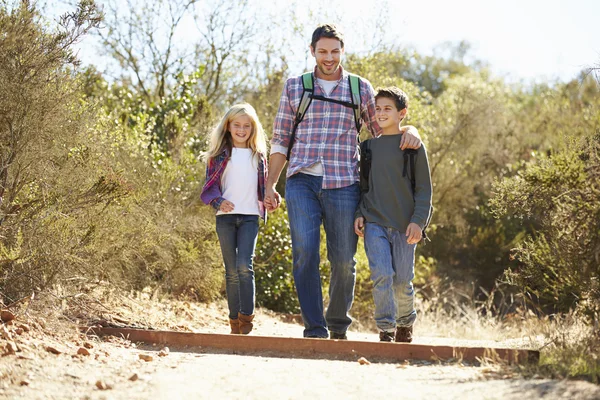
x=308, y=88
x=412, y=155
x=305, y=100
x=365, y=165
x=354, y=82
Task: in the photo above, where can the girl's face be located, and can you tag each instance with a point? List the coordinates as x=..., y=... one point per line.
x=241, y=129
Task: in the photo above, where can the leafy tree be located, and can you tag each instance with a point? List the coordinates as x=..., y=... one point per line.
x=43, y=152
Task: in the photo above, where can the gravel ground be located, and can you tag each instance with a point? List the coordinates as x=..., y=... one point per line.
x=114, y=370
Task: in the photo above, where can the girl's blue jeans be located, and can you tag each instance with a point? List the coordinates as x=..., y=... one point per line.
x=237, y=235
x=392, y=262
x=308, y=206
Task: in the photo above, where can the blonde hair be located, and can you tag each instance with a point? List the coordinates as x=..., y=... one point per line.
x=220, y=137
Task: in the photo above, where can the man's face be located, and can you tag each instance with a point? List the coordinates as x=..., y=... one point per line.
x=328, y=53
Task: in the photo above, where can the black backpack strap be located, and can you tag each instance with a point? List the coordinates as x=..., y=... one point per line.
x=307, y=96
x=410, y=156
x=413, y=181
x=365, y=165
x=409, y=164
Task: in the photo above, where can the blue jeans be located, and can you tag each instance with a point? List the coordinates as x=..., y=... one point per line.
x=237, y=235
x=308, y=206
x=392, y=264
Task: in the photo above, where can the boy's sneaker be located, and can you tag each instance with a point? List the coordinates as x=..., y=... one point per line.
x=386, y=336
x=336, y=335
x=404, y=334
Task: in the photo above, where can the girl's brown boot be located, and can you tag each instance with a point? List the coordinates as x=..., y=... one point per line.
x=235, y=326
x=245, y=323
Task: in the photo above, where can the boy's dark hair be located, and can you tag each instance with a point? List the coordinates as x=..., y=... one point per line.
x=392, y=92
x=327, y=31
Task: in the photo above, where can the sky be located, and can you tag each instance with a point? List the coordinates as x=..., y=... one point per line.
x=526, y=39
x=522, y=40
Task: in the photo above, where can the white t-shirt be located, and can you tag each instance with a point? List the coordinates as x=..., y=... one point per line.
x=240, y=182
x=317, y=168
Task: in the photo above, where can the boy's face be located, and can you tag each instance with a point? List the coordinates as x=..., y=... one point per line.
x=328, y=54
x=387, y=115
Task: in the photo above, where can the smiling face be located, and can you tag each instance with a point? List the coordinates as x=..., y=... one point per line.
x=328, y=54
x=388, y=116
x=240, y=128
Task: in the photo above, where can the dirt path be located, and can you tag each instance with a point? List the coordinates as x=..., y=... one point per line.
x=186, y=375
x=192, y=374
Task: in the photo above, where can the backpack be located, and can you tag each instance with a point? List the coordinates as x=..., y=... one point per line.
x=308, y=96
x=410, y=156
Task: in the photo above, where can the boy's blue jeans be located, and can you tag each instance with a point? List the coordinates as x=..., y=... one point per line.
x=237, y=235
x=392, y=264
x=309, y=205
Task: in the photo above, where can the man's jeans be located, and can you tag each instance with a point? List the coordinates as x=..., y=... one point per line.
x=309, y=205
x=392, y=264
x=237, y=236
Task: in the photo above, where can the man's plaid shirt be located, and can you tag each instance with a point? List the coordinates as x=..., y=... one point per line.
x=327, y=134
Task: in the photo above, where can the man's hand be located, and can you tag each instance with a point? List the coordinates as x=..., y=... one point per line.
x=272, y=199
x=359, y=226
x=226, y=206
x=413, y=233
x=410, y=138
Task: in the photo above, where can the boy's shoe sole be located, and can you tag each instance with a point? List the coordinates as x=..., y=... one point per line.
x=404, y=334
x=386, y=336
x=339, y=336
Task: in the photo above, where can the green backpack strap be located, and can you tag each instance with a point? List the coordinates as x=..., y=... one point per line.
x=308, y=96
x=307, y=91
x=305, y=100
x=354, y=82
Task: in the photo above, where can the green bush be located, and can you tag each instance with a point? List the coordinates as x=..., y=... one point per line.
x=273, y=264
x=89, y=191
x=560, y=194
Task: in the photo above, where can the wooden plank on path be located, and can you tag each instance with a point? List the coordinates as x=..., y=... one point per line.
x=316, y=348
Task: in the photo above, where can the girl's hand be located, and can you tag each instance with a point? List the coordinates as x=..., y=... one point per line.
x=226, y=206
x=413, y=233
x=359, y=225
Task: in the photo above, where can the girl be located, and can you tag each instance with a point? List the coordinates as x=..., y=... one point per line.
x=236, y=170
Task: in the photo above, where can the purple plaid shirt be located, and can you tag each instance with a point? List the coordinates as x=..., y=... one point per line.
x=212, y=193
x=327, y=133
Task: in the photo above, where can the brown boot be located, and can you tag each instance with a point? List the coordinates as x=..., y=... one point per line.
x=245, y=323
x=235, y=326
x=404, y=334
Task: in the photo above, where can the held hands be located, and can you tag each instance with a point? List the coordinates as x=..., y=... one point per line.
x=226, y=206
x=359, y=226
x=413, y=233
x=410, y=138
x=272, y=199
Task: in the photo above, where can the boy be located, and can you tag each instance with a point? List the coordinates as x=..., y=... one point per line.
x=391, y=218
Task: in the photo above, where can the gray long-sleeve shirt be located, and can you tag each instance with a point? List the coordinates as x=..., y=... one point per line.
x=390, y=201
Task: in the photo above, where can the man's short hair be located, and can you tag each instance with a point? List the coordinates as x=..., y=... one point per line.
x=327, y=31
x=392, y=92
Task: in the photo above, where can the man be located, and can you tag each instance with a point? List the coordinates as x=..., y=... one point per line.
x=322, y=181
